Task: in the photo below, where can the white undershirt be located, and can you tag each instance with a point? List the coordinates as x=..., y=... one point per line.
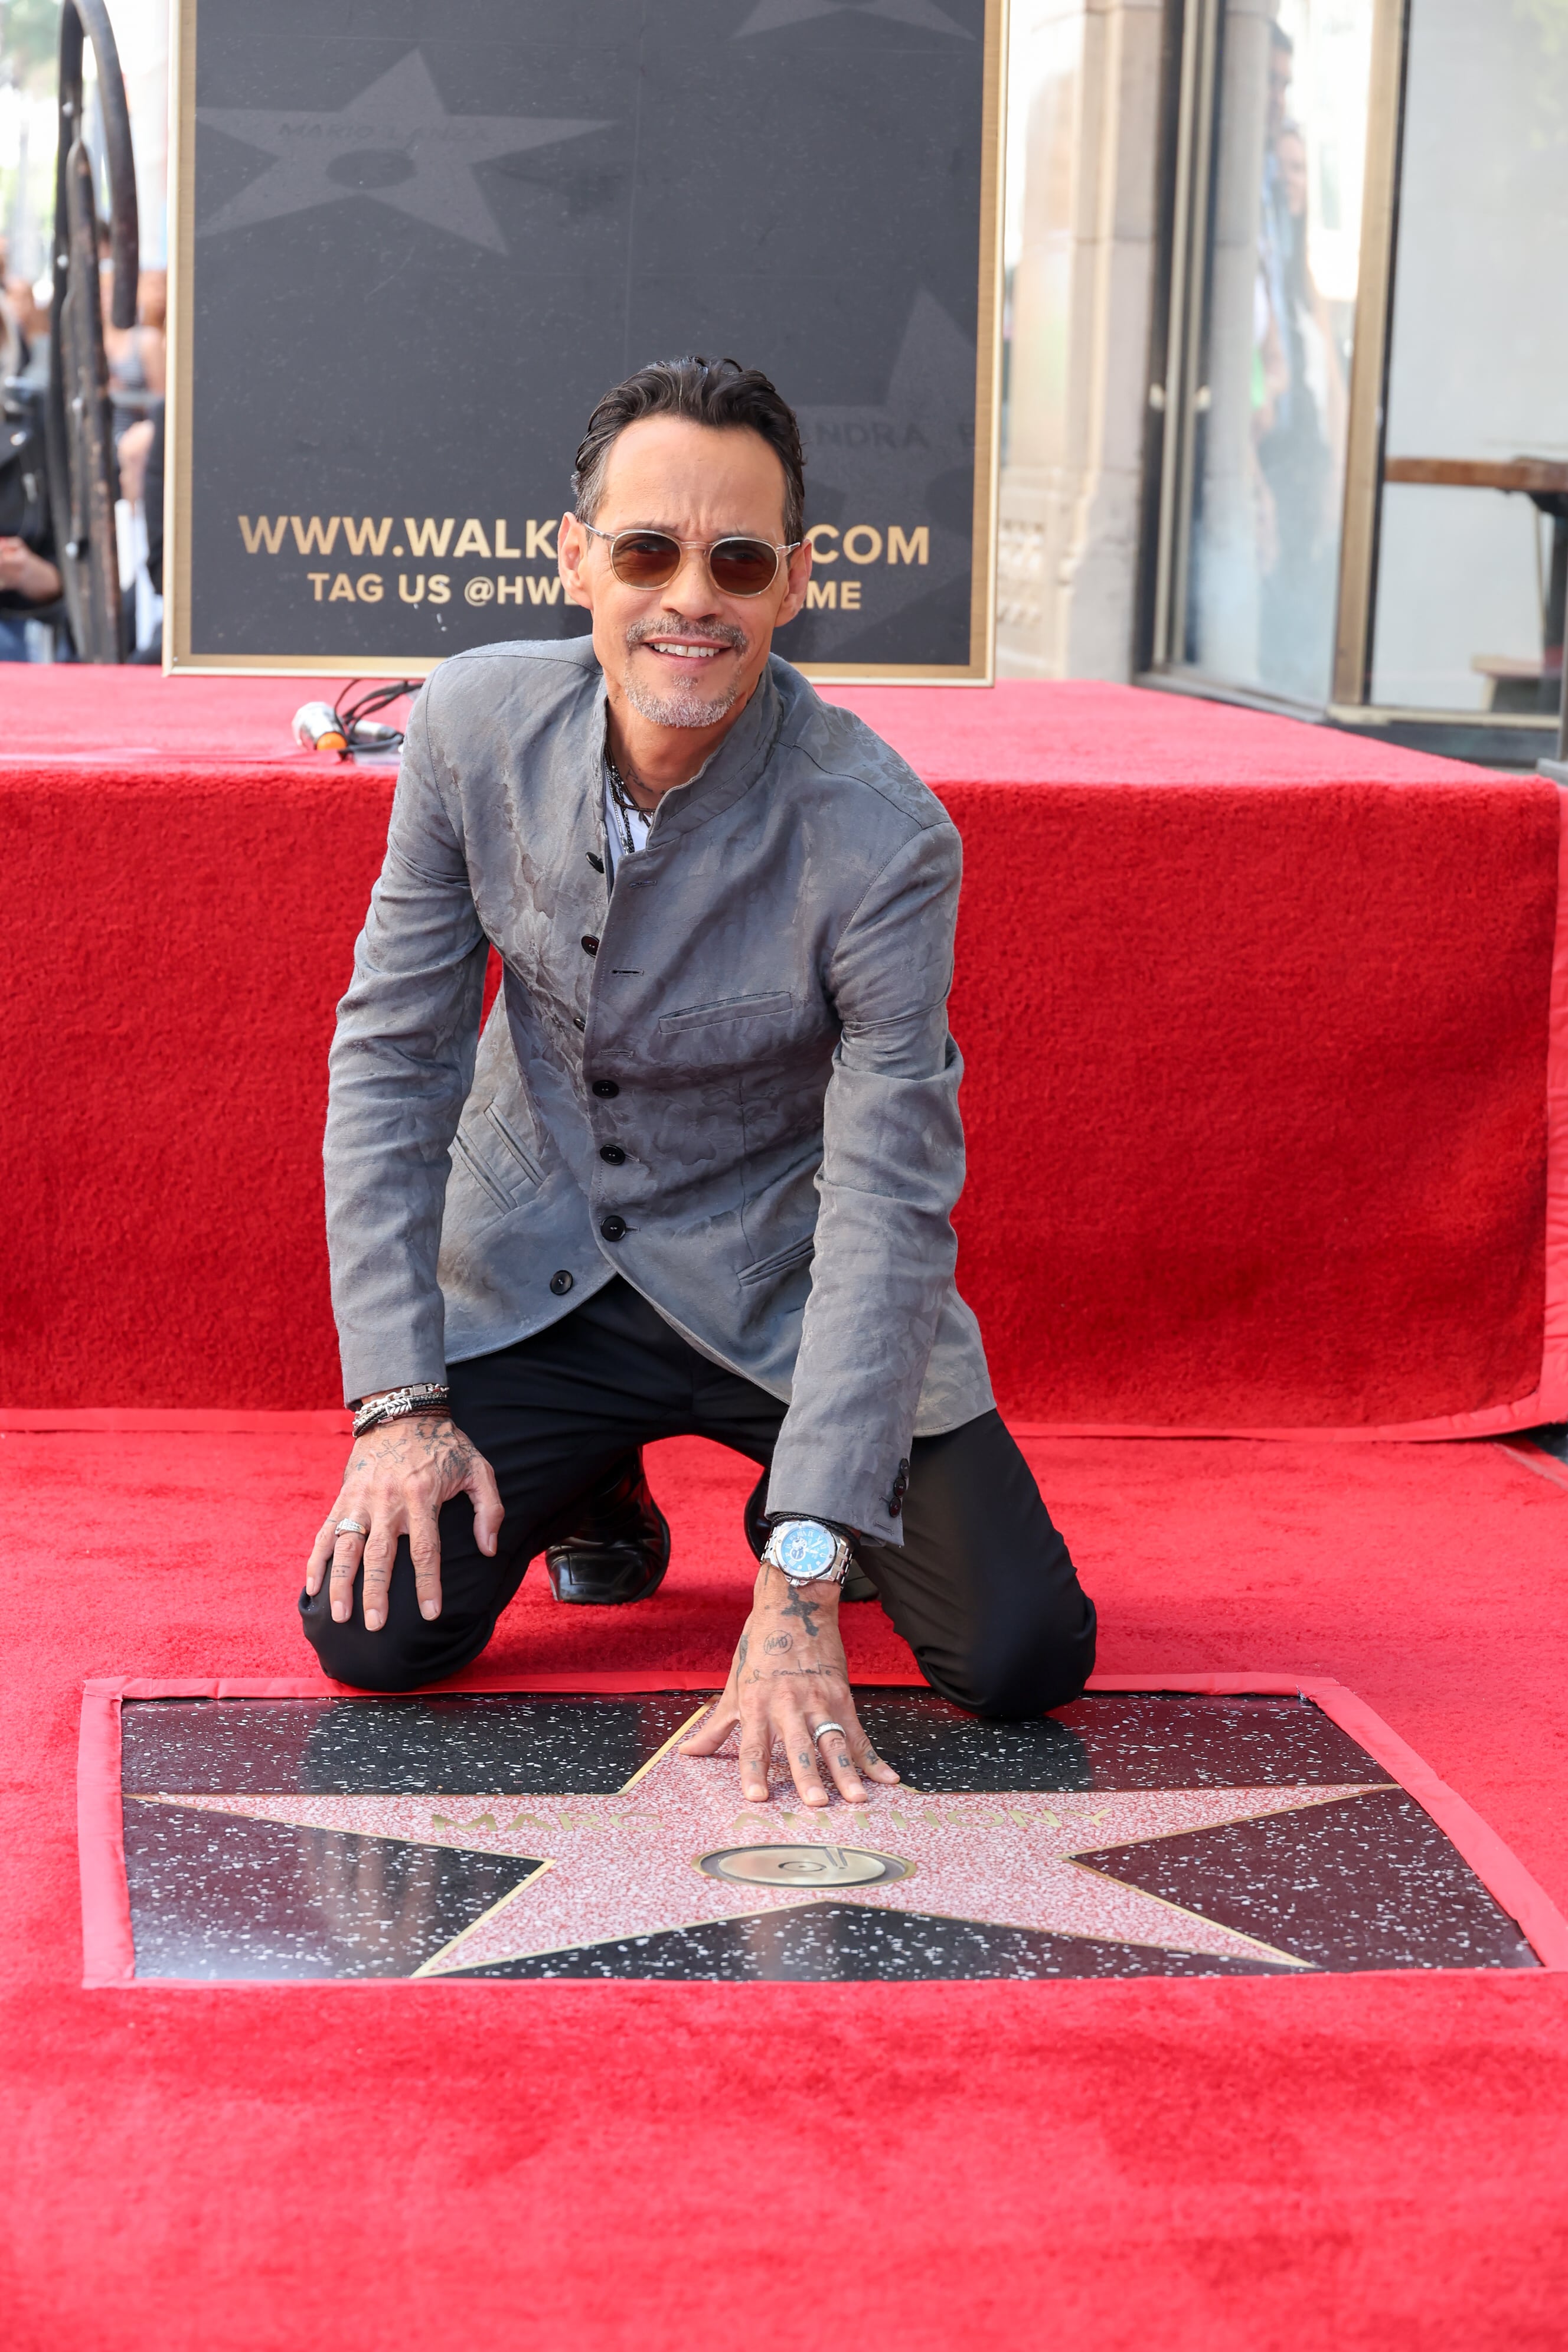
x=618, y=820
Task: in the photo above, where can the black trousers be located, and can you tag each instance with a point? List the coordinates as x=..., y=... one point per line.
x=982, y=1589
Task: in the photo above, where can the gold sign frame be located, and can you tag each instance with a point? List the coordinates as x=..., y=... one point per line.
x=179, y=659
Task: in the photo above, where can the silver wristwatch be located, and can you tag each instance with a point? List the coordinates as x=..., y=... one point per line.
x=805, y=1552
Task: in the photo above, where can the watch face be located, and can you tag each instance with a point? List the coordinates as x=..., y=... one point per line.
x=806, y=1550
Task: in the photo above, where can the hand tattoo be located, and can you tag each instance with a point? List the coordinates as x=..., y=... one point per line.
x=779, y=1641
x=799, y=1606
x=439, y=1438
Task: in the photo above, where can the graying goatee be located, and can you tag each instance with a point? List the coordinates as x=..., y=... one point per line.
x=687, y=706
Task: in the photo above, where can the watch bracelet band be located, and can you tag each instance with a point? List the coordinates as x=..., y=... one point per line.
x=401, y=1405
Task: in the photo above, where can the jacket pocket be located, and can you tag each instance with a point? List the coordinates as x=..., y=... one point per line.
x=496, y=1160
x=475, y=1169
x=780, y=1261
x=512, y=1141
x=766, y=1007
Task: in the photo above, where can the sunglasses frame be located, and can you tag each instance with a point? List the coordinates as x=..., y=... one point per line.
x=704, y=547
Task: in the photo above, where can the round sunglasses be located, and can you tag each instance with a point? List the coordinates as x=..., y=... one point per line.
x=650, y=559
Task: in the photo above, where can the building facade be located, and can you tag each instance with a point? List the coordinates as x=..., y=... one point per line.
x=1285, y=416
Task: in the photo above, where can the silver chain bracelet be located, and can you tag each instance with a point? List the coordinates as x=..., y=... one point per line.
x=397, y=1404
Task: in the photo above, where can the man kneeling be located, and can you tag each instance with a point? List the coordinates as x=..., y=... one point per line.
x=698, y=1174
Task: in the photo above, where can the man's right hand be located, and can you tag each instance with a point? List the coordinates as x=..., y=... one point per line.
x=399, y=1475
x=23, y=573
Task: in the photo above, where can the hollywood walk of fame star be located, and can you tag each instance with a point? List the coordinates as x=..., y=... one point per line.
x=775, y=15
x=395, y=142
x=627, y=1864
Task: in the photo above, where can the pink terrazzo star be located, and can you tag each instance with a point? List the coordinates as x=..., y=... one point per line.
x=615, y=1867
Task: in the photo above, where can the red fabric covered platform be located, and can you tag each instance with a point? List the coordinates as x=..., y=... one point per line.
x=1258, y=1028
x=1336, y=2164
x=1258, y=1022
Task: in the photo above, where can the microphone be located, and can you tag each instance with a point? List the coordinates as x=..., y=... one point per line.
x=318, y=727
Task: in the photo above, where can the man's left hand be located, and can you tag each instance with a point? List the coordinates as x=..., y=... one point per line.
x=789, y=1676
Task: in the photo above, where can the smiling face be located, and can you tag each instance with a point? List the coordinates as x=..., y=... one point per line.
x=683, y=655
x=1292, y=149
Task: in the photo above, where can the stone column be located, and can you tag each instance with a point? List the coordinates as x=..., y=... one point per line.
x=1086, y=74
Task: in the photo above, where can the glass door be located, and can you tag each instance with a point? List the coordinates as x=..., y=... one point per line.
x=1363, y=444
x=1265, y=274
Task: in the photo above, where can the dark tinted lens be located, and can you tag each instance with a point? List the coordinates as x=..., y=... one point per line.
x=742, y=567
x=644, y=559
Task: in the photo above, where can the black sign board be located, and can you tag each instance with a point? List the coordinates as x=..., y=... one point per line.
x=417, y=241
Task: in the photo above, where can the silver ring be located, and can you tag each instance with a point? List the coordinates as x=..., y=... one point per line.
x=821, y=1727
x=350, y=1528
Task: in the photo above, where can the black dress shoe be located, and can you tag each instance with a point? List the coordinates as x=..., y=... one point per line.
x=857, y=1585
x=619, y=1548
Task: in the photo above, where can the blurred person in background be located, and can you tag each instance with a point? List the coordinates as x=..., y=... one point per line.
x=29, y=580
x=23, y=326
x=32, y=318
x=140, y=451
x=136, y=355
x=1300, y=426
x=12, y=341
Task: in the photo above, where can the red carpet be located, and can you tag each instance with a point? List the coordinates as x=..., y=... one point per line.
x=1317, y=2165
x=1256, y=1019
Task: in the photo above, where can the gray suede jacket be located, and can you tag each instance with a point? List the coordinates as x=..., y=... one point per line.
x=728, y=1078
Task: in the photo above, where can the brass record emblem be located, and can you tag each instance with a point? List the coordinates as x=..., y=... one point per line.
x=804, y=1865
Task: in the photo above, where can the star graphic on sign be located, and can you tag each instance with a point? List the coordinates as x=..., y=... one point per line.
x=395, y=143
x=774, y=15
x=670, y=1851
x=886, y=455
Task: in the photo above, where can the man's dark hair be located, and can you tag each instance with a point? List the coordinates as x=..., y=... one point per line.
x=707, y=392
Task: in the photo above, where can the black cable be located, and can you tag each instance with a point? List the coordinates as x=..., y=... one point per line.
x=352, y=716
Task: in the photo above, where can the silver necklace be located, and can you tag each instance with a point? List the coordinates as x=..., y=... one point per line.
x=623, y=805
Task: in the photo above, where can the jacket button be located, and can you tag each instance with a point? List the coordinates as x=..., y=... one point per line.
x=605, y=1087
x=613, y=1153
x=590, y=944
x=612, y=1227
x=560, y=1283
